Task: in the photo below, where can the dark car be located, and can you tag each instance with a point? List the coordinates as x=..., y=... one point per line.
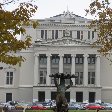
x=94, y=106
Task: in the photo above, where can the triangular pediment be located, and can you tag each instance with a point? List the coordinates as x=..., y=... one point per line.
x=66, y=17
x=64, y=41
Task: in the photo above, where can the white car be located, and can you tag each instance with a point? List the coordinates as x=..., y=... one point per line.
x=8, y=106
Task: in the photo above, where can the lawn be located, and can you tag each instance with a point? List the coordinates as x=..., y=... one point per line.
x=69, y=111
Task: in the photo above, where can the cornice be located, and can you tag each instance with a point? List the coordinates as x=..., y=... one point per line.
x=67, y=25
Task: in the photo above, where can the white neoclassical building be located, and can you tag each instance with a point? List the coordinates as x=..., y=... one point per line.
x=63, y=44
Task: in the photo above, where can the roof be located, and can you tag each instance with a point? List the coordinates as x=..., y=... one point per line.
x=66, y=17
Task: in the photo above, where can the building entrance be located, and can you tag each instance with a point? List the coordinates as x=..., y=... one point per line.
x=91, y=97
x=79, y=96
x=8, y=97
x=41, y=96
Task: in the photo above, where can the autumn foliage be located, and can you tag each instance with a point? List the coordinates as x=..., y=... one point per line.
x=102, y=22
x=11, y=23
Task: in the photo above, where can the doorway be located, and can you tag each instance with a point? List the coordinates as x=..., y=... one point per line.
x=91, y=97
x=8, y=97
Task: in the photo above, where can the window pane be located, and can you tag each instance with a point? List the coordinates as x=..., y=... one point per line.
x=92, y=34
x=88, y=34
x=93, y=60
x=7, y=80
x=45, y=34
x=69, y=60
x=11, y=80
x=42, y=34
x=81, y=60
x=65, y=60
x=52, y=34
x=78, y=34
x=76, y=60
x=45, y=60
x=57, y=60
x=89, y=60
x=56, y=34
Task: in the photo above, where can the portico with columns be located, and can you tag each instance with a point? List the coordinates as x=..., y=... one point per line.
x=76, y=63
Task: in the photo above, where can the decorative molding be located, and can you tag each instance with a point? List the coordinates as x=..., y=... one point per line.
x=107, y=87
x=26, y=86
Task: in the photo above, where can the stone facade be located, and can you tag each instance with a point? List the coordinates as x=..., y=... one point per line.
x=63, y=44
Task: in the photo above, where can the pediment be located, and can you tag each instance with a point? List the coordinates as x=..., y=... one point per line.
x=64, y=41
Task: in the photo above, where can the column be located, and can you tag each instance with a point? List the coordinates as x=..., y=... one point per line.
x=73, y=67
x=85, y=70
x=97, y=73
x=61, y=63
x=60, y=34
x=48, y=81
x=36, y=69
x=49, y=36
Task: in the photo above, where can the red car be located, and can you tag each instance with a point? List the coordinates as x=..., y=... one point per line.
x=94, y=106
x=38, y=107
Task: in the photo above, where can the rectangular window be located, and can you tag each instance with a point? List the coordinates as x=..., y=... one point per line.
x=52, y=80
x=70, y=33
x=46, y=34
x=78, y=34
x=42, y=34
x=81, y=60
x=55, y=59
x=63, y=33
x=56, y=34
x=43, y=60
x=43, y=75
x=81, y=35
x=77, y=60
x=67, y=60
x=52, y=34
x=79, y=79
x=91, y=77
x=93, y=34
x=9, y=78
x=41, y=96
x=79, y=96
x=91, y=60
x=88, y=34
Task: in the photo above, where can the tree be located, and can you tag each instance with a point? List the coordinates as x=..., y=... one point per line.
x=102, y=22
x=11, y=23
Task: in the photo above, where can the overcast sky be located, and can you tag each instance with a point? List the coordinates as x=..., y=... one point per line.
x=49, y=8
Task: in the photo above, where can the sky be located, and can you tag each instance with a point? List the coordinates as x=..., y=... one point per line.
x=49, y=8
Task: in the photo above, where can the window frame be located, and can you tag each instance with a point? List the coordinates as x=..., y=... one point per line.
x=44, y=76
x=91, y=77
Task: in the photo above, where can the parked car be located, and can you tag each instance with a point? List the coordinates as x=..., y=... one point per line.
x=19, y=107
x=108, y=106
x=38, y=107
x=7, y=106
x=47, y=104
x=94, y=106
x=73, y=106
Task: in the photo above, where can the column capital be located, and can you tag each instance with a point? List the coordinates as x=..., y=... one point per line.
x=73, y=55
x=36, y=54
x=85, y=55
x=48, y=55
x=61, y=55
x=98, y=55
